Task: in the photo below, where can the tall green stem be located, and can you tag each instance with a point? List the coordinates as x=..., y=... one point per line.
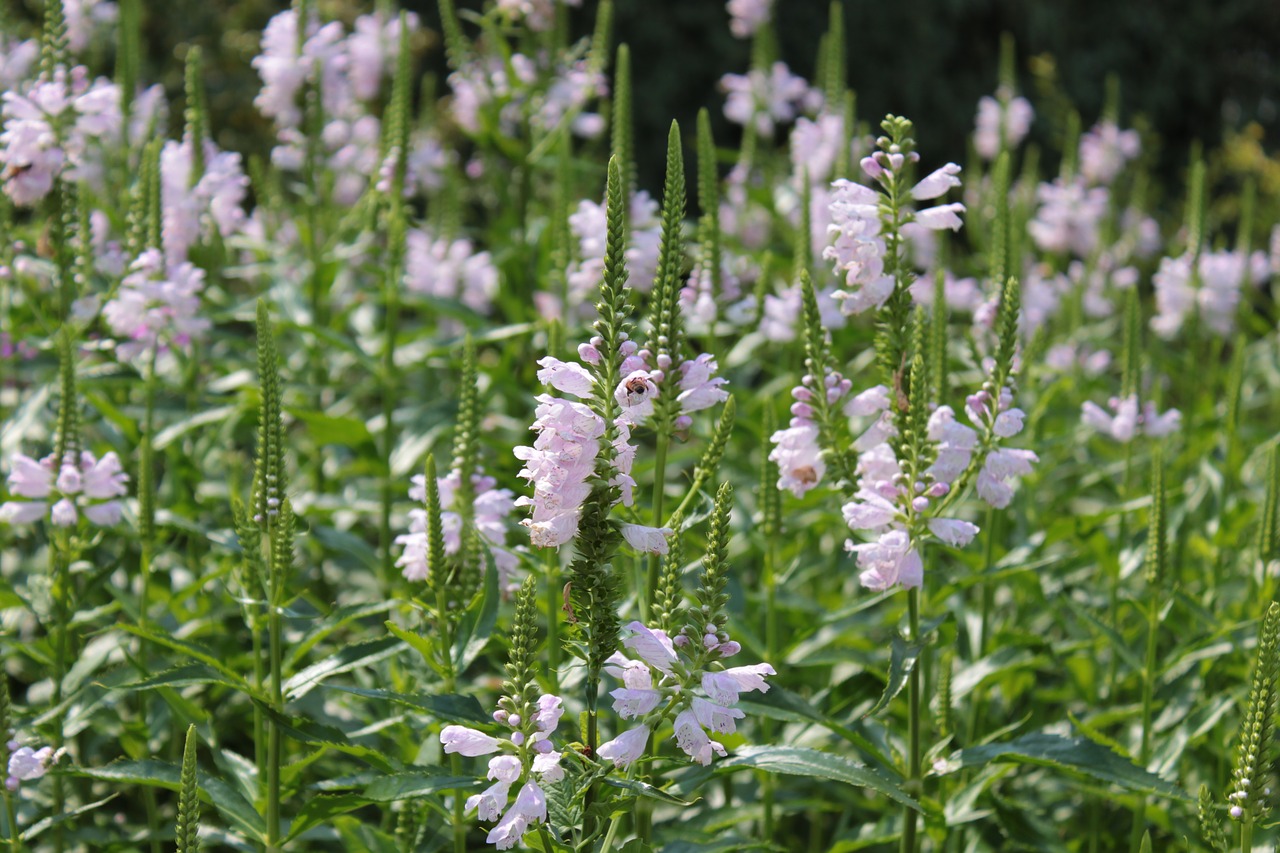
x=451, y=686
x=659, y=492
x=61, y=559
x=552, y=564
x=273, y=732
x=11, y=812
x=913, y=728
x=1148, y=693
x=1246, y=836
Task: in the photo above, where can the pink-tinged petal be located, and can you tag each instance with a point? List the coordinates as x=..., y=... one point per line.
x=468, y=742
x=941, y=217
x=29, y=478
x=626, y=747
x=648, y=540
x=569, y=377
x=654, y=646
x=23, y=512
x=953, y=531
x=937, y=183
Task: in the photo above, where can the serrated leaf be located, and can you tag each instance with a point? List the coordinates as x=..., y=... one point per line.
x=1078, y=755
x=177, y=430
x=448, y=706
x=416, y=783
x=800, y=761
x=323, y=809
x=477, y=622
x=180, y=676
x=191, y=650
x=352, y=657
x=644, y=789
x=305, y=730
x=901, y=661
x=161, y=774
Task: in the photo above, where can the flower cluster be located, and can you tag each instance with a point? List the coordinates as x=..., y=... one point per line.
x=561, y=464
x=1002, y=120
x=906, y=488
x=157, y=306
x=488, y=91
x=450, y=269
x=537, y=15
x=27, y=764
x=1069, y=216
x=82, y=484
x=526, y=754
x=858, y=250
x=747, y=16
x=1212, y=288
x=348, y=74
x=589, y=226
x=797, y=449
x=490, y=510
x=1105, y=150
x=194, y=205
x=57, y=127
x=765, y=100
x=1128, y=420
x=682, y=676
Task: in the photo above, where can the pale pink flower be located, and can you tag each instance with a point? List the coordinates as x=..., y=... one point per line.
x=568, y=377
x=953, y=531
x=798, y=457
x=450, y=269
x=647, y=540
x=943, y=216
x=764, y=100
x=747, y=16
x=468, y=742
x=693, y=740
x=530, y=807
x=937, y=183
x=1007, y=118
x=1105, y=150
x=1003, y=465
x=626, y=748
x=699, y=387
x=629, y=703
x=889, y=561
x=27, y=764
x=654, y=646
x=635, y=395
x=715, y=717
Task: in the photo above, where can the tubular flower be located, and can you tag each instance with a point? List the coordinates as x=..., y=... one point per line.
x=525, y=754
x=491, y=508
x=682, y=676
x=1127, y=420
x=82, y=484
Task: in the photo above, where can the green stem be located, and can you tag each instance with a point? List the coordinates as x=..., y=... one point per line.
x=913, y=784
x=273, y=731
x=147, y=463
x=1148, y=694
x=450, y=686
x=11, y=812
x=1246, y=836
x=259, y=679
x=551, y=562
x=771, y=654
x=659, y=492
x=61, y=589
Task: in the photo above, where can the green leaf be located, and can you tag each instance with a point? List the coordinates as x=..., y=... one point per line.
x=422, y=645
x=161, y=774
x=52, y=821
x=175, y=431
x=449, y=706
x=644, y=789
x=323, y=809
x=352, y=657
x=305, y=730
x=901, y=661
x=191, y=650
x=477, y=621
x=329, y=429
x=417, y=783
x=1077, y=755
x=181, y=676
x=799, y=761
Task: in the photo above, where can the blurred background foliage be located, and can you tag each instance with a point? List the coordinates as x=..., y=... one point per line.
x=1188, y=69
